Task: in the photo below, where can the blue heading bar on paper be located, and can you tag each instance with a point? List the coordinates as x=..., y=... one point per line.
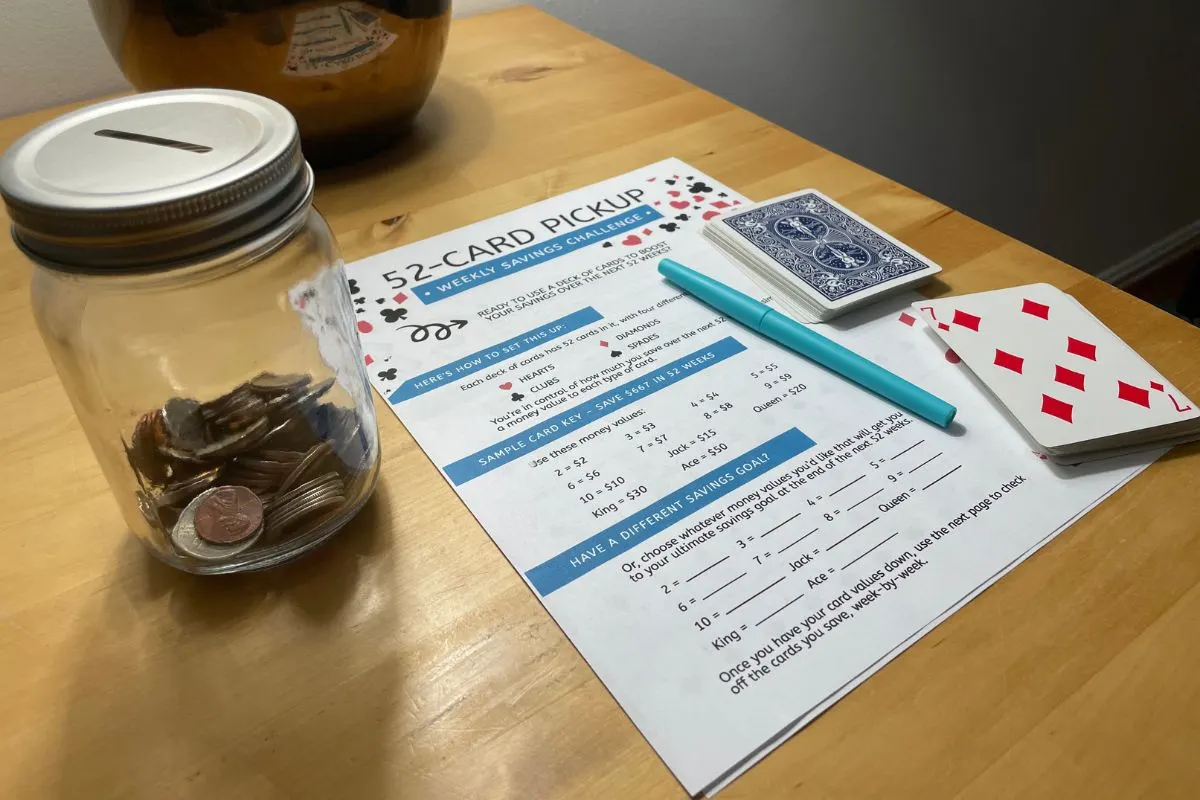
x=657, y=517
x=470, y=277
x=574, y=419
x=492, y=356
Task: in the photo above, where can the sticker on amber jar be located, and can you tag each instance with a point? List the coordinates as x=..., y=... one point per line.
x=334, y=39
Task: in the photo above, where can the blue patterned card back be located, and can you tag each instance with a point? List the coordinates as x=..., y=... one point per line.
x=824, y=247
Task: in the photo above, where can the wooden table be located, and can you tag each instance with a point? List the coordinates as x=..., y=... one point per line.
x=407, y=659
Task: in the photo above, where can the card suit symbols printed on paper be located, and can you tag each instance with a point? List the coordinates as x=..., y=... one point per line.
x=1035, y=308
x=1133, y=394
x=953, y=357
x=1068, y=377
x=907, y=318
x=364, y=326
x=1006, y=360
x=1057, y=408
x=1078, y=347
x=387, y=374
x=400, y=297
x=1158, y=387
x=966, y=319
x=506, y=386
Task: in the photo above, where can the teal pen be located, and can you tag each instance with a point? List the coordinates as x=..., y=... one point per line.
x=808, y=343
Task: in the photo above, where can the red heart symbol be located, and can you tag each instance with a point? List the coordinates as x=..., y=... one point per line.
x=680, y=204
x=631, y=240
x=369, y=360
x=658, y=202
x=400, y=297
x=711, y=214
x=506, y=385
x=673, y=193
x=699, y=198
x=647, y=231
x=952, y=356
x=364, y=326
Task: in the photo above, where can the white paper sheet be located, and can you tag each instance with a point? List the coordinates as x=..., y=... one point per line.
x=732, y=537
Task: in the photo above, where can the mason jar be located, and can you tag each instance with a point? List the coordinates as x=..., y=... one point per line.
x=194, y=305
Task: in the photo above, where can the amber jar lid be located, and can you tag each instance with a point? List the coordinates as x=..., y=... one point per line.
x=154, y=180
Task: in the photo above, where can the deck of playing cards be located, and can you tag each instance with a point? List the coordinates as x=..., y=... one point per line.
x=817, y=259
x=1077, y=390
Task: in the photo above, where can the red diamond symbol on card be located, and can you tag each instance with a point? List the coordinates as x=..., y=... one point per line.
x=1036, y=309
x=943, y=326
x=1068, y=377
x=1009, y=361
x=603, y=343
x=1158, y=387
x=1057, y=408
x=400, y=297
x=720, y=204
x=1134, y=394
x=907, y=319
x=368, y=359
x=1078, y=347
x=966, y=320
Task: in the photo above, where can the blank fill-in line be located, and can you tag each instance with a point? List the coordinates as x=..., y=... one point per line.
x=780, y=525
x=865, y=499
x=776, y=611
x=947, y=475
x=801, y=539
x=905, y=450
x=756, y=594
x=876, y=547
x=848, y=485
x=847, y=536
x=706, y=569
x=923, y=463
x=719, y=588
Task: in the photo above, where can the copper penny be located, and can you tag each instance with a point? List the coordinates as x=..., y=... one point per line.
x=229, y=514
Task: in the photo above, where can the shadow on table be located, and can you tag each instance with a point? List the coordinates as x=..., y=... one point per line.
x=280, y=683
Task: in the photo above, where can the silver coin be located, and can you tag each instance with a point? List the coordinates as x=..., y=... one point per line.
x=310, y=460
x=300, y=507
x=188, y=542
x=271, y=383
x=320, y=482
x=183, y=423
x=184, y=490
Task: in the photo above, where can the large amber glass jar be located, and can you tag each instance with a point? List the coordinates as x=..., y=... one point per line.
x=194, y=305
x=353, y=72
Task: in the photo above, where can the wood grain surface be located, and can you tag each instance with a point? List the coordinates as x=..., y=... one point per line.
x=408, y=659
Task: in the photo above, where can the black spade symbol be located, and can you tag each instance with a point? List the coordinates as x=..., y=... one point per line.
x=353, y=286
x=615, y=353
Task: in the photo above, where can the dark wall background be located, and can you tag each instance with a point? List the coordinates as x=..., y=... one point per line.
x=1073, y=126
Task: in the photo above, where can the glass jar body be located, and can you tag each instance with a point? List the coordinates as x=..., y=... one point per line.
x=239, y=370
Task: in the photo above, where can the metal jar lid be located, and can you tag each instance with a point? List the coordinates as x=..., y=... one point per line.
x=154, y=179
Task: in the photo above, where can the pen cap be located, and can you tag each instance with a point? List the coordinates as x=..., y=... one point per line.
x=730, y=302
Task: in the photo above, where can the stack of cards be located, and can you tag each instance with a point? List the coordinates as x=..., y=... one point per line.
x=1077, y=390
x=817, y=259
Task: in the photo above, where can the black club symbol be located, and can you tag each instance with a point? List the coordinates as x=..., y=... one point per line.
x=391, y=315
x=699, y=187
x=388, y=374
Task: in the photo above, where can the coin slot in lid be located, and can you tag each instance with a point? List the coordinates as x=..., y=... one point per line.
x=143, y=138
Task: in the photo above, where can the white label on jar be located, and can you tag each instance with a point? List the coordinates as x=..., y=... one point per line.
x=334, y=39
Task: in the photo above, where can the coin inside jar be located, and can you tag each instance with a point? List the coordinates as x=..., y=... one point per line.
x=189, y=542
x=228, y=515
